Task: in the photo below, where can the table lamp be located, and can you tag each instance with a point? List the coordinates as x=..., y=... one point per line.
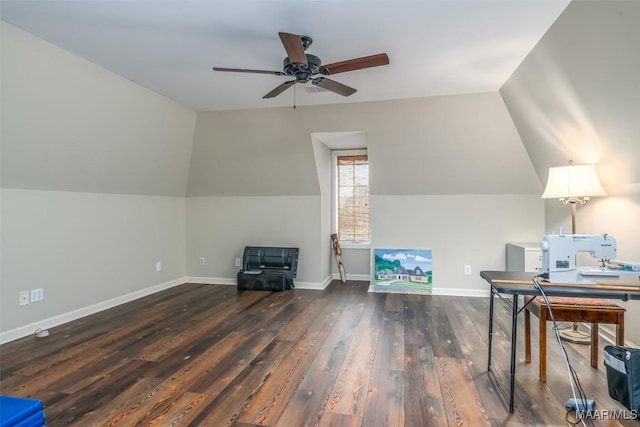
x=573, y=184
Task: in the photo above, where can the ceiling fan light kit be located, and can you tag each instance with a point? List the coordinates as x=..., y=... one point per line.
x=304, y=67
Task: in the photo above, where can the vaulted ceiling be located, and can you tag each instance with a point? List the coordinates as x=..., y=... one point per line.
x=435, y=47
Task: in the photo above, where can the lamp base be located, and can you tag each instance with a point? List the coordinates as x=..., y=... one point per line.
x=575, y=336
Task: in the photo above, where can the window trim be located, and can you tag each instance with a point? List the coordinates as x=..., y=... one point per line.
x=348, y=244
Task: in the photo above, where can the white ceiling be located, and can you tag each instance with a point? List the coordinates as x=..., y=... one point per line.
x=435, y=47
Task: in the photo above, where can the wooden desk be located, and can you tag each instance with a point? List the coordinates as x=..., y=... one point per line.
x=518, y=283
x=590, y=310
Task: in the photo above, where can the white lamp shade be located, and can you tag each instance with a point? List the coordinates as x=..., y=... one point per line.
x=573, y=181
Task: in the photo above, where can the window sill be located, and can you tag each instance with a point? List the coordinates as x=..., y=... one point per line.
x=355, y=245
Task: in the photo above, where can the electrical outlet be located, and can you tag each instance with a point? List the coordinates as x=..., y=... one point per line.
x=37, y=294
x=158, y=266
x=24, y=297
x=467, y=270
x=238, y=262
x=201, y=260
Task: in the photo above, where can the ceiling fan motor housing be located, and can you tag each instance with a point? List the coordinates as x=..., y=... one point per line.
x=306, y=42
x=301, y=72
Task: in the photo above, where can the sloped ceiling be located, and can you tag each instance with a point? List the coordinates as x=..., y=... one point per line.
x=577, y=95
x=586, y=63
x=436, y=47
x=463, y=144
x=67, y=124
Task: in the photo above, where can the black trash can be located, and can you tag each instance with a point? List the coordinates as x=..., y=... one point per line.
x=623, y=375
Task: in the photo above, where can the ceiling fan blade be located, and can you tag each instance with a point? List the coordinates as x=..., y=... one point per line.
x=277, y=91
x=293, y=45
x=244, y=70
x=333, y=86
x=358, y=63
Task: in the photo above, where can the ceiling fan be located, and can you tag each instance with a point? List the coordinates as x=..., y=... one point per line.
x=304, y=67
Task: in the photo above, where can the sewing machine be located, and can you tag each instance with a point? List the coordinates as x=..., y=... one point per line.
x=559, y=258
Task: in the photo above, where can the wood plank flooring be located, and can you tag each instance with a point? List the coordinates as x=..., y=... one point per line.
x=207, y=355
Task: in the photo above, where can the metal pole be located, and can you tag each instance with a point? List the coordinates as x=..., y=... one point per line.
x=514, y=339
x=490, y=329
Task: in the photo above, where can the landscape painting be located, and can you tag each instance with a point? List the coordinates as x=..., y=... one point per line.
x=403, y=271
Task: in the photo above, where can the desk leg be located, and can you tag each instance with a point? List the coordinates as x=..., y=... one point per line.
x=514, y=341
x=490, y=330
x=620, y=329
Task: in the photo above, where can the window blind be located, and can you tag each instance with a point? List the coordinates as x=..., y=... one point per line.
x=353, y=198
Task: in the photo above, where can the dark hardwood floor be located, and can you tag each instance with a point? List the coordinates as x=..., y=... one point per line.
x=207, y=355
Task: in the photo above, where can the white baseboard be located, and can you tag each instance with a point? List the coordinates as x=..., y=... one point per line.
x=314, y=285
x=60, y=319
x=450, y=292
x=211, y=280
x=355, y=277
x=234, y=282
x=461, y=292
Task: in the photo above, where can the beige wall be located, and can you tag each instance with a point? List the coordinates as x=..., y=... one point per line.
x=460, y=230
x=218, y=229
x=91, y=163
x=464, y=145
x=84, y=249
x=70, y=125
x=322, y=155
x=439, y=145
x=265, y=152
x=575, y=97
x=357, y=264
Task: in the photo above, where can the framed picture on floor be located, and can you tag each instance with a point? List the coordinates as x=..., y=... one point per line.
x=403, y=270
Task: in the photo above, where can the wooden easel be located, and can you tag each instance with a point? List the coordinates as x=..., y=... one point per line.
x=338, y=253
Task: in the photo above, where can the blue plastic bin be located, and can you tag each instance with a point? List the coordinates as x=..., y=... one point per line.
x=21, y=412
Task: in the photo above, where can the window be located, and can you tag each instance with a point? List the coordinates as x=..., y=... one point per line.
x=351, y=196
